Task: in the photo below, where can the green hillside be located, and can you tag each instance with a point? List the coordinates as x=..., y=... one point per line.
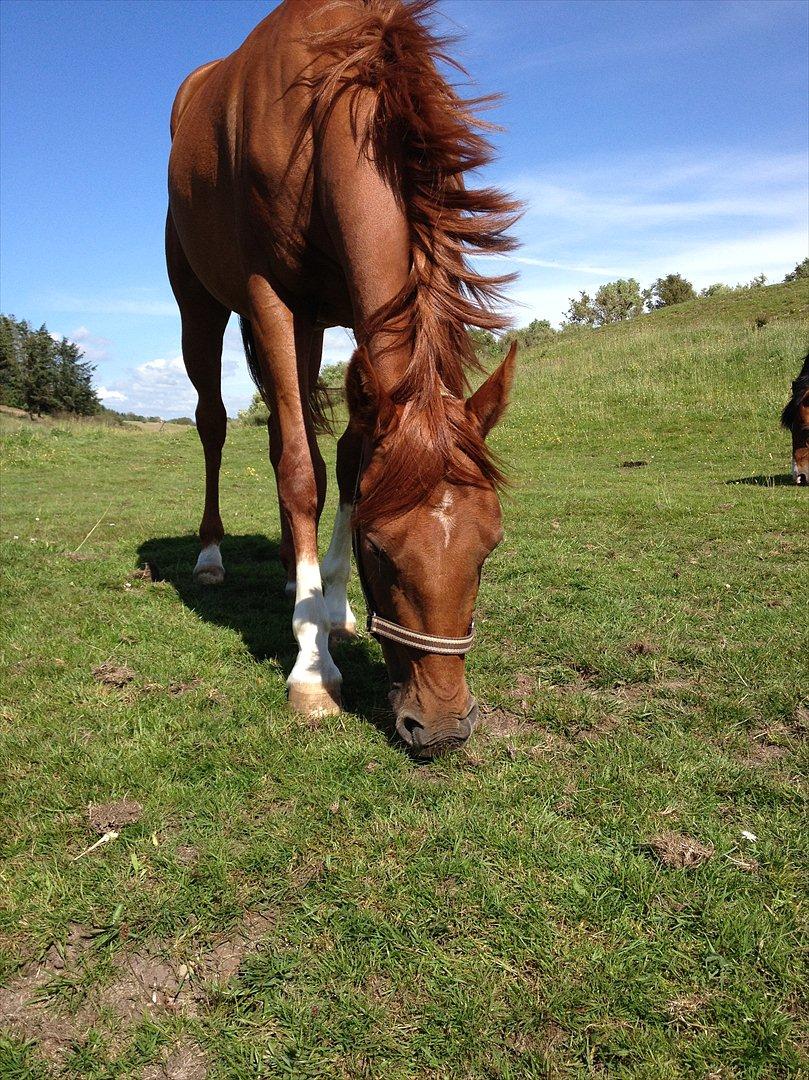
x=607, y=881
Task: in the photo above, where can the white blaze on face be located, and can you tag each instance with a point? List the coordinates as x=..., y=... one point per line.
x=442, y=516
x=310, y=624
x=209, y=569
x=336, y=570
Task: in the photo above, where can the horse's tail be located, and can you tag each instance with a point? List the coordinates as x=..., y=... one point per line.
x=318, y=402
x=424, y=138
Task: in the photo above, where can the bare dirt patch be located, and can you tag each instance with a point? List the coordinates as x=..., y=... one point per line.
x=223, y=960
x=145, y=982
x=642, y=648
x=24, y=1003
x=111, y=674
x=598, y=730
x=678, y=851
x=186, y=854
x=185, y=1060
x=109, y=816
x=503, y=723
x=684, y=1010
x=632, y=464
x=149, y=572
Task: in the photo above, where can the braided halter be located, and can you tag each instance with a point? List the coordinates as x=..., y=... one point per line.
x=401, y=635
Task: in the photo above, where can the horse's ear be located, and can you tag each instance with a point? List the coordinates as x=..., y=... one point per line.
x=363, y=392
x=489, y=401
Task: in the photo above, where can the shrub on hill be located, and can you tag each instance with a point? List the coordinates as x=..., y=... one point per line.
x=671, y=289
x=614, y=302
x=256, y=412
x=43, y=375
x=800, y=271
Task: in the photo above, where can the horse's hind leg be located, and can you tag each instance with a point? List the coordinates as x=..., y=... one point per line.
x=203, y=327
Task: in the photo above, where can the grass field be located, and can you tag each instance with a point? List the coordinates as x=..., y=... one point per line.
x=608, y=881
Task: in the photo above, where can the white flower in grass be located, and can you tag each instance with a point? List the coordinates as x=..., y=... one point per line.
x=747, y=835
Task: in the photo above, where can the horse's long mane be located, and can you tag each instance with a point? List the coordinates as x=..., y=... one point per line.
x=424, y=138
x=800, y=386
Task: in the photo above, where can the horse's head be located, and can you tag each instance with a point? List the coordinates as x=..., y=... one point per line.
x=421, y=560
x=795, y=418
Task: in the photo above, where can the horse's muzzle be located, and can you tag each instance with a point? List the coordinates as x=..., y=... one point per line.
x=426, y=738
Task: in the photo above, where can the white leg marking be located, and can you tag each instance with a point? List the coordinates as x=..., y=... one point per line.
x=209, y=569
x=336, y=570
x=310, y=624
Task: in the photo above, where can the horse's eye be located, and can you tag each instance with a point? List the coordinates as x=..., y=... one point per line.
x=376, y=550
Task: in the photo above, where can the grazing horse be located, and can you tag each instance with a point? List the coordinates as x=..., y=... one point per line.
x=316, y=179
x=795, y=418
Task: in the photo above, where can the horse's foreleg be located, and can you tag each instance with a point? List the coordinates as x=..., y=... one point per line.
x=203, y=326
x=286, y=551
x=337, y=561
x=283, y=346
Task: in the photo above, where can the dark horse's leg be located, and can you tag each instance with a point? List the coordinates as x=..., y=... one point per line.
x=337, y=560
x=285, y=346
x=203, y=326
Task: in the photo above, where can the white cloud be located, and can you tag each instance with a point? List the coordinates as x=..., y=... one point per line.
x=723, y=218
x=95, y=348
x=110, y=396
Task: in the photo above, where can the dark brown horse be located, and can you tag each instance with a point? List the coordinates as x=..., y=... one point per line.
x=317, y=179
x=795, y=418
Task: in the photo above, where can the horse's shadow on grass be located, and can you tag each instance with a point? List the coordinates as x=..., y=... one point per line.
x=776, y=480
x=251, y=601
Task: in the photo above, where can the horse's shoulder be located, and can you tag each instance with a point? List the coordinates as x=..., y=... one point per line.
x=189, y=86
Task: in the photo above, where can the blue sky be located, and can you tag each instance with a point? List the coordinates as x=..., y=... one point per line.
x=646, y=138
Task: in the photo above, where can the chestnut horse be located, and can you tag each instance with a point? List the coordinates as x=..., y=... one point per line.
x=317, y=179
x=795, y=418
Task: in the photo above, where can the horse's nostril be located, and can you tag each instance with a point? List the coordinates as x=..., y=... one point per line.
x=410, y=729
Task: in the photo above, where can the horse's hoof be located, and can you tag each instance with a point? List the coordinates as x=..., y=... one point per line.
x=315, y=699
x=209, y=575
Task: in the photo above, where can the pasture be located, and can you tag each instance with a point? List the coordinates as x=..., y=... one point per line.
x=607, y=881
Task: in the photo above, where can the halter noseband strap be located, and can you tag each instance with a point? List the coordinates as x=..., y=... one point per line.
x=448, y=646
x=384, y=628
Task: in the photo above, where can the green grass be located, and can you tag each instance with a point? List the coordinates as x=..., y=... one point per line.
x=642, y=655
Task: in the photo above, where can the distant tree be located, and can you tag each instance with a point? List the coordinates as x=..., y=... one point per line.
x=43, y=375
x=527, y=337
x=800, y=271
x=485, y=344
x=758, y=282
x=717, y=289
x=74, y=380
x=669, y=290
x=333, y=376
x=581, y=311
x=256, y=412
x=12, y=361
x=184, y=421
x=618, y=300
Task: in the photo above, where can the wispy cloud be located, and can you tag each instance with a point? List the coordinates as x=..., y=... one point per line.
x=726, y=218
